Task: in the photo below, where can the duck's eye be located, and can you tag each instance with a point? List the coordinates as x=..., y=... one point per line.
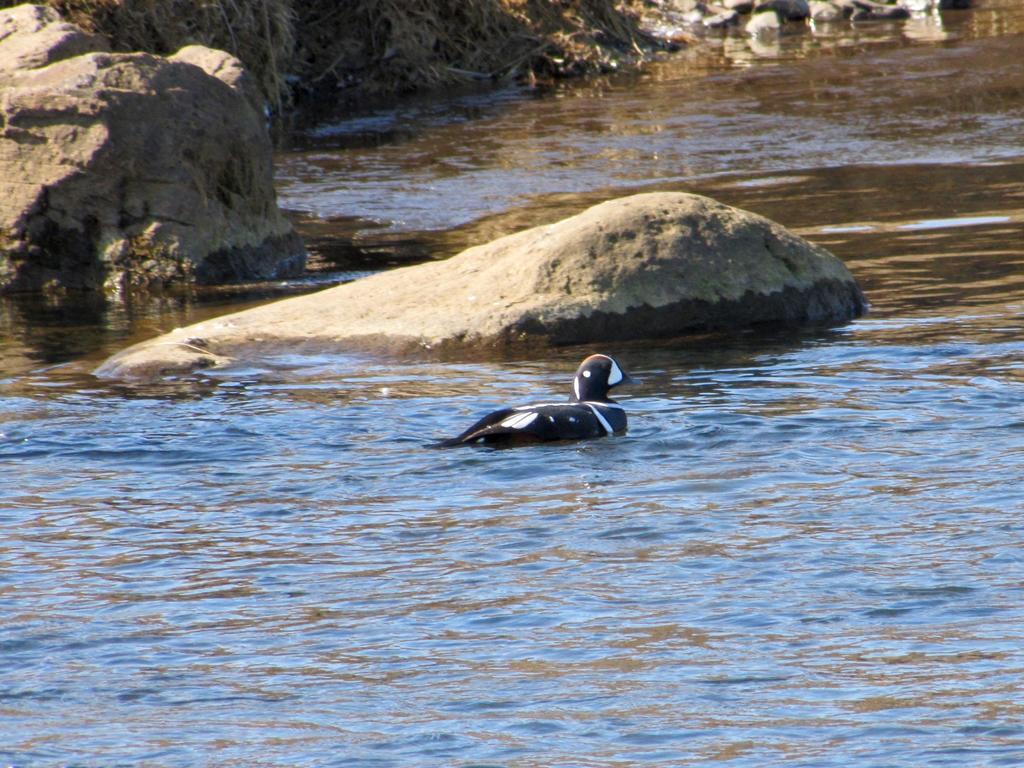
x=586, y=374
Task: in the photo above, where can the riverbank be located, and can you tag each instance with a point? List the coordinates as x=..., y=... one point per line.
x=357, y=51
x=801, y=553
x=327, y=54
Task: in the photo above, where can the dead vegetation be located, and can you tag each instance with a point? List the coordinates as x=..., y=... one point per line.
x=357, y=48
x=259, y=32
x=398, y=45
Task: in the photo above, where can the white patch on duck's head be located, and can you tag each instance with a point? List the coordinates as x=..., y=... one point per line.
x=615, y=375
x=595, y=376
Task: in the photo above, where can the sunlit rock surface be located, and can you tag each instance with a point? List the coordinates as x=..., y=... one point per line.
x=130, y=169
x=646, y=266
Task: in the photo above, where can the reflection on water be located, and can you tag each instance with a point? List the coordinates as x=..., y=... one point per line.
x=927, y=24
x=677, y=123
x=805, y=552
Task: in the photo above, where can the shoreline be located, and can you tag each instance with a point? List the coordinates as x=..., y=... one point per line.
x=303, y=54
x=320, y=55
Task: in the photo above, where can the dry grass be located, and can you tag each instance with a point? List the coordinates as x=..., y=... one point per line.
x=392, y=46
x=397, y=45
x=366, y=47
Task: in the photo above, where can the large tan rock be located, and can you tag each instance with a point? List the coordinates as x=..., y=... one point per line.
x=646, y=266
x=130, y=169
x=34, y=36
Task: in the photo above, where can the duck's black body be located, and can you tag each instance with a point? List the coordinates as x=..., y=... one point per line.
x=589, y=412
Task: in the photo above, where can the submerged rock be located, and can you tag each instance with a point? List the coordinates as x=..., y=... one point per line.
x=640, y=267
x=130, y=169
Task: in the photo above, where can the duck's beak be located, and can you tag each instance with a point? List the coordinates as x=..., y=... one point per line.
x=627, y=379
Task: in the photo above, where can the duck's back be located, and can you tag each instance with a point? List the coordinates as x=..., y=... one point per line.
x=543, y=423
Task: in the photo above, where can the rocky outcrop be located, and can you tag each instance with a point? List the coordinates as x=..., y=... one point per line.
x=772, y=16
x=867, y=10
x=646, y=266
x=130, y=169
x=33, y=36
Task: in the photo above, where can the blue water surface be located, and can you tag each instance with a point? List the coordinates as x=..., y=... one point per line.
x=805, y=552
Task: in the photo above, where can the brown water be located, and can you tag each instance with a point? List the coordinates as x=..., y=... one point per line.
x=806, y=551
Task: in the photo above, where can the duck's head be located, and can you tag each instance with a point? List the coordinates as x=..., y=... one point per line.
x=595, y=376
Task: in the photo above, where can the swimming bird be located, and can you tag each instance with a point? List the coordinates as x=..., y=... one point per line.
x=589, y=412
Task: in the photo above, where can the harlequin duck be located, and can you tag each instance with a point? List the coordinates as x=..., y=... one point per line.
x=589, y=412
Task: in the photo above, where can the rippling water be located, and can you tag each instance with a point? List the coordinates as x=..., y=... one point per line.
x=805, y=552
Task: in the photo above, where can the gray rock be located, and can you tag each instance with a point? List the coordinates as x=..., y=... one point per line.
x=226, y=68
x=767, y=23
x=867, y=10
x=693, y=17
x=721, y=18
x=825, y=12
x=119, y=170
x=788, y=10
x=686, y=6
x=34, y=36
x=640, y=267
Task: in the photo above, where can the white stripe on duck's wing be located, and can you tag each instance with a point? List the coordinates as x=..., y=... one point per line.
x=611, y=416
x=601, y=418
x=520, y=420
